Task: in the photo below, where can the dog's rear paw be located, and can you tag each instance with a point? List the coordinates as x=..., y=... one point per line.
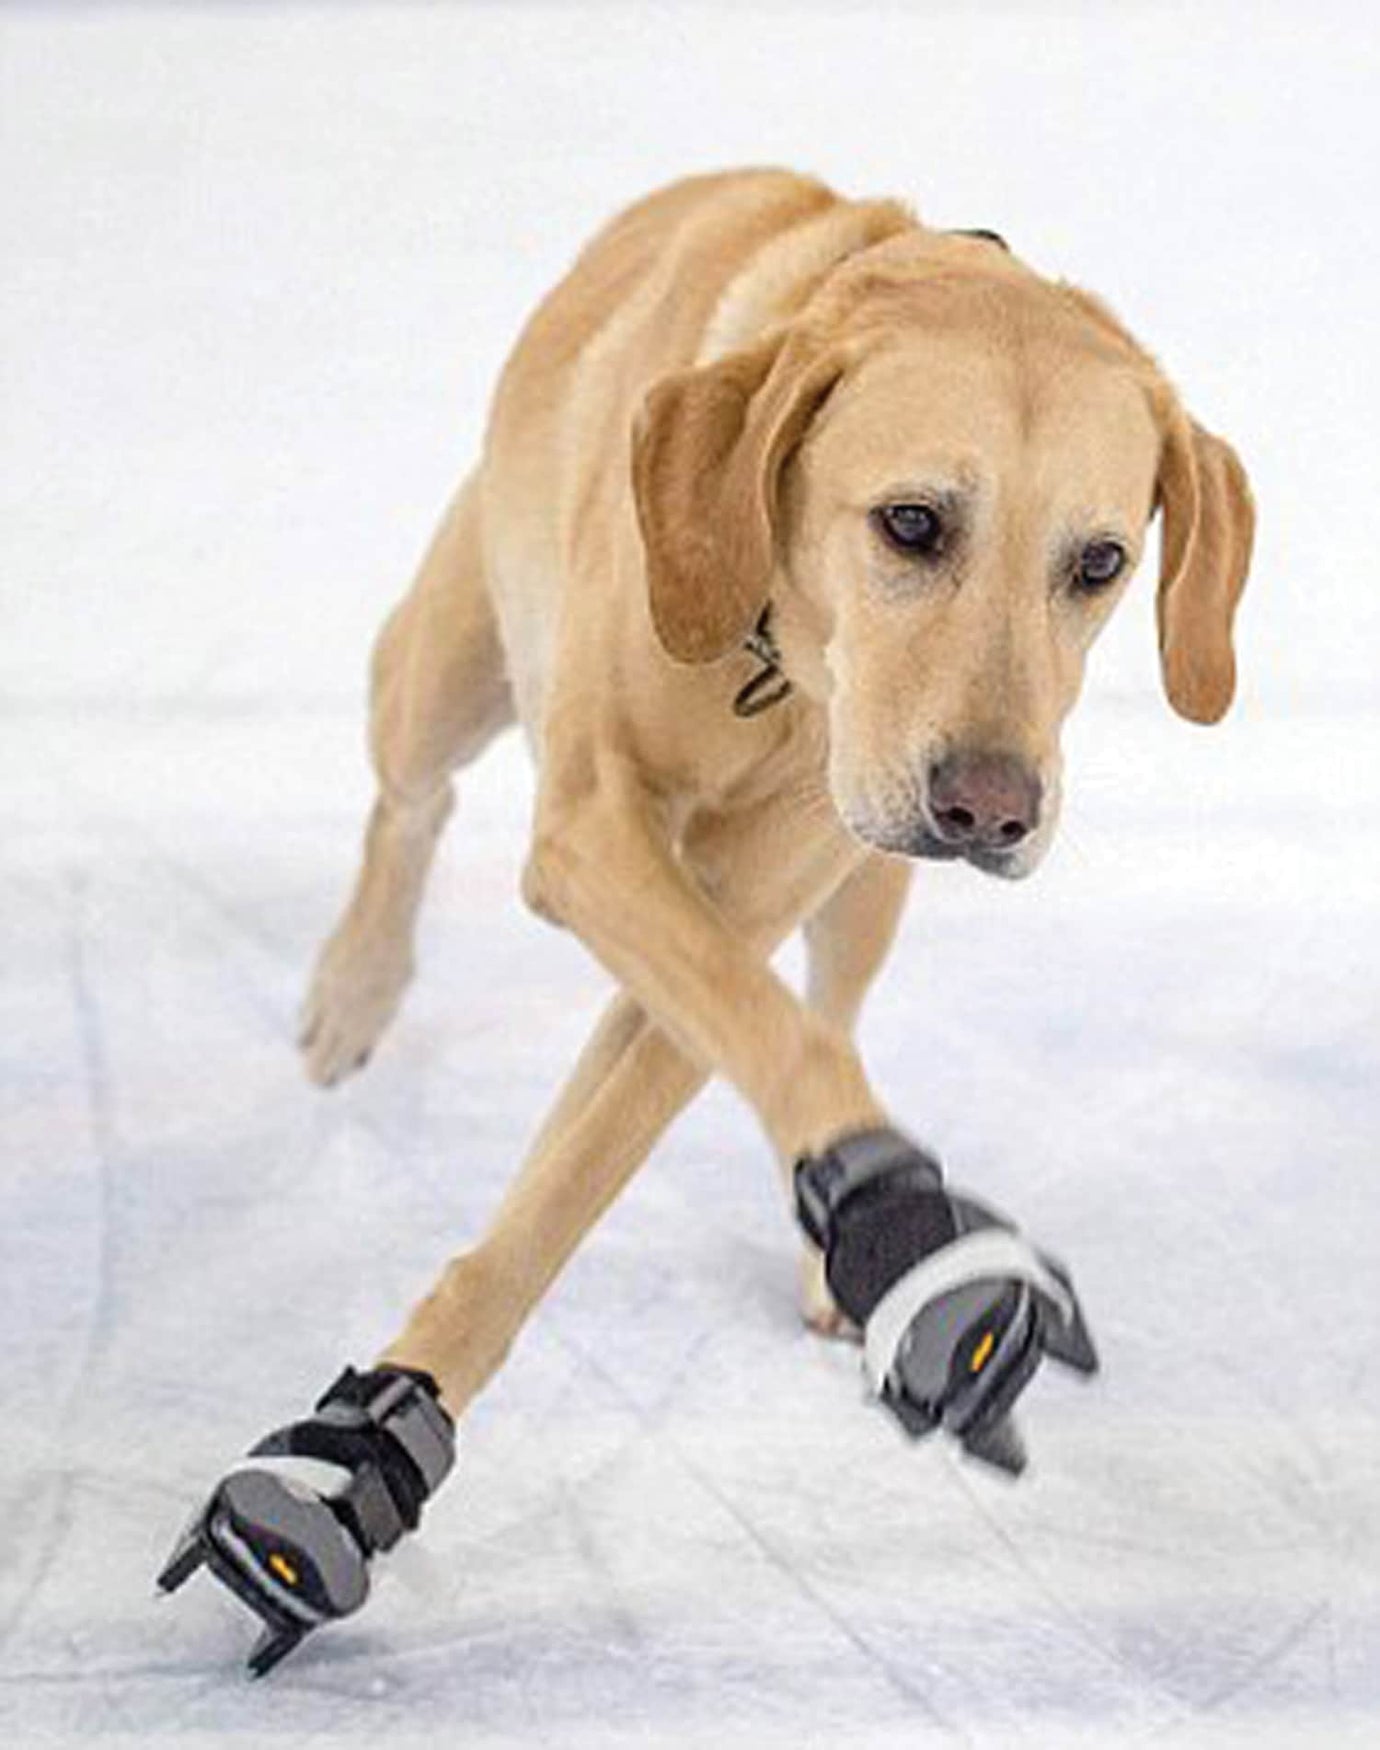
x=352, y=999
x=818, y=1307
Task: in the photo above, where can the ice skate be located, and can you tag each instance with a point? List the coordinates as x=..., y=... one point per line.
x=292, y=1529
x=956, y=1307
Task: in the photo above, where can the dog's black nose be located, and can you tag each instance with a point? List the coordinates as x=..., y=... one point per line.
x=985, y=800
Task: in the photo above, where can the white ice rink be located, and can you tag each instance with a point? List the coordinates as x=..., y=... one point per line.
x=259, y=268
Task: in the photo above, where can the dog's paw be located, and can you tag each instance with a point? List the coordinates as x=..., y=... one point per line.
x=353, y=997
x=818, y=1307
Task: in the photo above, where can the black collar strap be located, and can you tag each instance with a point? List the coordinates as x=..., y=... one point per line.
x=769, y=685
x=986, y=236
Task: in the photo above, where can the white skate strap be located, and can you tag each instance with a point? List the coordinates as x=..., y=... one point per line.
x=993, y=1252
x=310, y=1479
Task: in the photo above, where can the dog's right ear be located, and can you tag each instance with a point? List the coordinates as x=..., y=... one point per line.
x=1207, y=533
x=707, y=454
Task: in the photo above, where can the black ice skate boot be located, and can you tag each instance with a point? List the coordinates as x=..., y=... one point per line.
x=292, y=1528
x=956, y=1307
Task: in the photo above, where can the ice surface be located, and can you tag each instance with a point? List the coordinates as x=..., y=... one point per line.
x=260, y=267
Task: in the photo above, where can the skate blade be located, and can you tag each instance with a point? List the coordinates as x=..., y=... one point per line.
x=1072, y=1343
x=272, y=1647
x=1000, y=1445
x=1068, y=1339
x=189, y=1552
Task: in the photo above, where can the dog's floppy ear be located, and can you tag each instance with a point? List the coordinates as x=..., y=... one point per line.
x=1205, y=546
x=708, y=450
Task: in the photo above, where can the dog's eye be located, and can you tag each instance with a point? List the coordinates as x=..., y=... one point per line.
x=1102, y=563
x=916, y=529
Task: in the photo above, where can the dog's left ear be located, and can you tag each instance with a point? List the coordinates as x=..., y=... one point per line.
x=708, y=450
x=1205, y=545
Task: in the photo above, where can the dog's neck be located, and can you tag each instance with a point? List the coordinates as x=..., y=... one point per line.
x=800, y=632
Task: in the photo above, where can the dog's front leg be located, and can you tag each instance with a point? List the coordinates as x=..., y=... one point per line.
x=956, y=1307
x=603, y=866
x=630, y=1082
x=848, y=940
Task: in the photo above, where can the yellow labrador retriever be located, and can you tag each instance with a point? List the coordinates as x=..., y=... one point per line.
x=794, y=524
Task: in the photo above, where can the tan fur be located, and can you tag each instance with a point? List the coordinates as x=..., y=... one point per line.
x=697, y=421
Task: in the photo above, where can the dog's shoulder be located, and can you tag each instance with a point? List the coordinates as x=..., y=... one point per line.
x=661, y=265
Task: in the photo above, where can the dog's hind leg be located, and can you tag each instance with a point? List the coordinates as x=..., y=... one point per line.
x=293, y=1529
x=439, y=694
x=633, y=1081
x=847, y=940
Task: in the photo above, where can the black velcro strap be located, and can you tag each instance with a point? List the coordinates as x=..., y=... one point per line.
x=984, y=235
x=874, y=1203
x=386, y=1427
x=879, y=1233
x=405, y=1404
x=824, y=1182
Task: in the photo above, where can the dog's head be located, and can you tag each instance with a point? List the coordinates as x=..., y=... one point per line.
x=941, y=476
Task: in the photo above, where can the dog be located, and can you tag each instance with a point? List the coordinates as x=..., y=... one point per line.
x=794, y=524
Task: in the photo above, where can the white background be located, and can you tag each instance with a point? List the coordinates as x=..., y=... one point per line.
x=260, y=267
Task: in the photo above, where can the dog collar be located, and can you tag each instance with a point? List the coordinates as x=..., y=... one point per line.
x=769, y=686
x=985, y=236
